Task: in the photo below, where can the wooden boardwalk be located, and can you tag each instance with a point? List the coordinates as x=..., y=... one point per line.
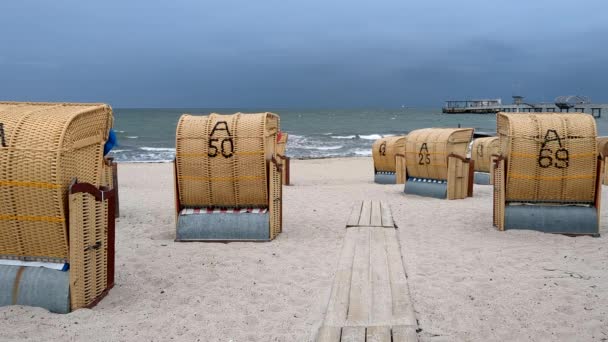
x=369, y=299
x=370, y=214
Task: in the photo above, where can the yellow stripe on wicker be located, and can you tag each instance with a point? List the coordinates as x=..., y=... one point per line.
x=42, y=185
x=529, y=155
x=223, y=179
x=551, y=178
x=32, y=218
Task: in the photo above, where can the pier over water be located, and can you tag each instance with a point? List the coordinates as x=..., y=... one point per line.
x=562, y=104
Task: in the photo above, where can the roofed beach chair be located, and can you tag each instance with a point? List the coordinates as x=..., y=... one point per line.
x=389, y=160
x=228, y=183
x=56, y=217
x=436, y=163
x=482, y=151
x=282, y=157
x=548, y=174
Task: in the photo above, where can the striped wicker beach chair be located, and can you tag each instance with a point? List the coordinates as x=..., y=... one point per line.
x=56, y=210
x=389, y=160
x=436, y=163
x=228, y=183
x=548, y=174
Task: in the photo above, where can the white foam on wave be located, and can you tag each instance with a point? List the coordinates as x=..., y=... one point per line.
x=365, y=153
x=132, y=137
x=322, y=148
x=375, y=136
x=158, y=149
x=344, y=137
x=370, y=136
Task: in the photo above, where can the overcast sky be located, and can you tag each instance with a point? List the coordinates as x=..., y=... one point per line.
x=306, y=53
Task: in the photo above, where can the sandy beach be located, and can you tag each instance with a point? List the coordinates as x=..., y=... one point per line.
x=468, y=281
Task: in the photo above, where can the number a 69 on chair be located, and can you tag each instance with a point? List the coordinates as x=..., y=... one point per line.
x=548, y=173
x=436, y=163
x=228, y=184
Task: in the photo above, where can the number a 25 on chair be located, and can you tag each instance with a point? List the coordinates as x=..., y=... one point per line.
x=436, y=163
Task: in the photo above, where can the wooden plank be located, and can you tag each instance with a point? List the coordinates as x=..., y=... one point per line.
x=381, y=310
x=353, y=334
x=387, y=217
x=403, y=310
x=404, y=333
x=451, y=178
x=329, y=334
x=376, y=215
x=337, y=306
x=353, y=219
x=379, y=334
x=366, y=213
x=360, y=297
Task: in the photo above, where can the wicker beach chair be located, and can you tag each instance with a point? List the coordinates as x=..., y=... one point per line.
x=55, y=211
x=548, y=174
x=389, y=160
x=228, y=183
x=283, y=158
x=436, y=163
x=482, y=151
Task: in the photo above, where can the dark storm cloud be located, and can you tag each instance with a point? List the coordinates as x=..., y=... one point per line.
x=300, y=53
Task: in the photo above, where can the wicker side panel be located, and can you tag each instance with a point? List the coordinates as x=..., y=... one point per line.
x=88, y=249
x=43, y=148
x=426, y=150
x=499, y=193
x=400, y=168
x=482, y=151
x=221, y=159
x=384, y=151
x=276, y=201
x=550, y=157
x=458, y=178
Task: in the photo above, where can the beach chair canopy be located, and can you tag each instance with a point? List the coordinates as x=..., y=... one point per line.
x=427, y=150
x=43, y=148
x=222, y=160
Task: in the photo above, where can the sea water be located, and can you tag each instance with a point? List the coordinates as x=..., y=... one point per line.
x=148, y=135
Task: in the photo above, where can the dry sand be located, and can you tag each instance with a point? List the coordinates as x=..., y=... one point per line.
x=468, y=281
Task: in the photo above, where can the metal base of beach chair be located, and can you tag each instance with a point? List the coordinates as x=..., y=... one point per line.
x=562, y=219
x=382, y=177
x=227, y=226
x=35, y=286
x=482, y=178
x=426, y=187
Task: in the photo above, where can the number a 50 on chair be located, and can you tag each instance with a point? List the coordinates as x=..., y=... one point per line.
x=548, y=173
x=436, y=163
x=228, y=184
